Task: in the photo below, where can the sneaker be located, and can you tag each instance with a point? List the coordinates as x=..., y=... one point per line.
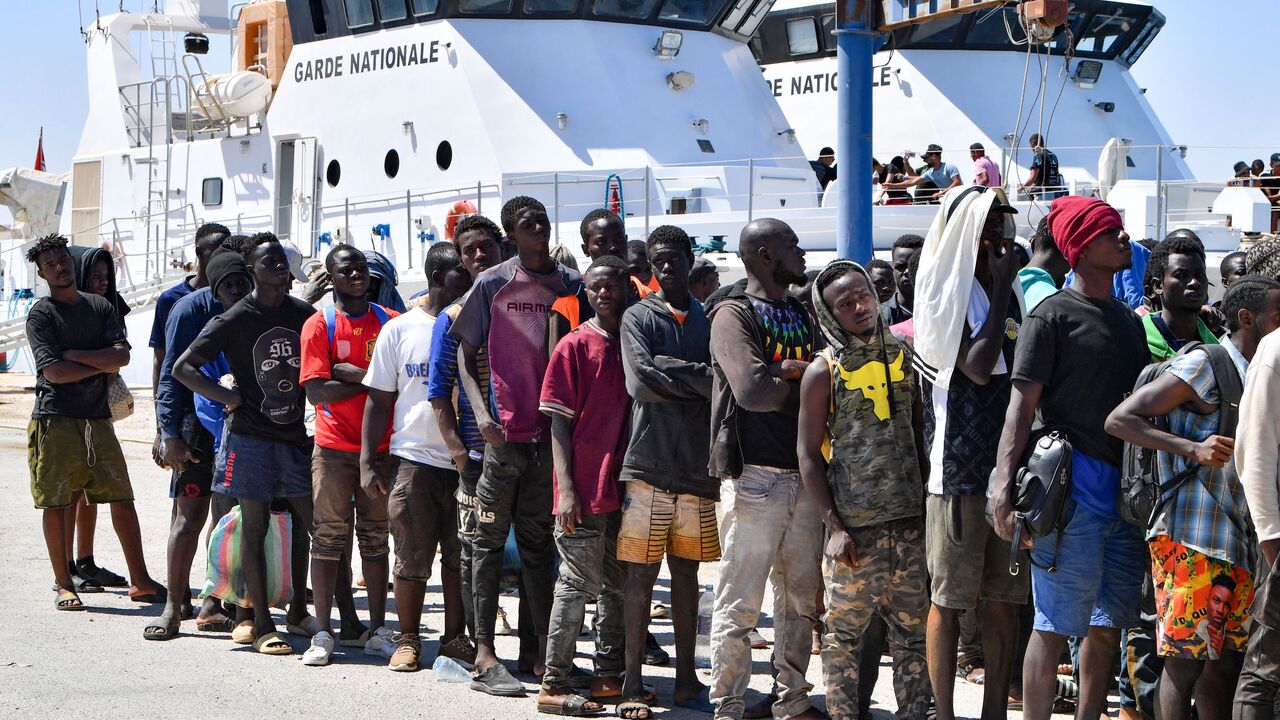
x=381, y=643
x=320, y=651
x=461, y=649
x=404, y=658
x=500, y=624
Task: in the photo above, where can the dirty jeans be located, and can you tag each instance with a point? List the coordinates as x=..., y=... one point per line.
x=589, y=569
x=770, y=523
x=890, y=581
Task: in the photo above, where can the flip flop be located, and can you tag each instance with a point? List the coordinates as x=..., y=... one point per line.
x=701, y=703
x=308, y=627
x=632, y=705
x=154, y=598
x=86, y=568
x=67, y=600
x=86, y=585
x=573, y=706
x=220, y=626
x=242, y=634
x=160, y=632
x=272, y=643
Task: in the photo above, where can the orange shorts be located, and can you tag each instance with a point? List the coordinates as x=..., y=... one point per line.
x=1202, y=603
x=655, y=522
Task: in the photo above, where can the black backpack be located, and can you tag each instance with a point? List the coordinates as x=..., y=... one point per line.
x=1141, y=493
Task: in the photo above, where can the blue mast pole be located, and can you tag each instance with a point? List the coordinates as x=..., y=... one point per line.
x=856, y=43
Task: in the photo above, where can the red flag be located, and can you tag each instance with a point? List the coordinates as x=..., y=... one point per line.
x=40, y=165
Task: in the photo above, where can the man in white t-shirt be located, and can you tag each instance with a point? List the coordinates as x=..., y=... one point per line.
x=420, y=502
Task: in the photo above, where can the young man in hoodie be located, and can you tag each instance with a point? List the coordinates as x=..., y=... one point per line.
x=762, y=340
x=670, y=499
x=862, y=458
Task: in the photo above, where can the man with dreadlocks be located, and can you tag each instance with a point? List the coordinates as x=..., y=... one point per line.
x=861, y=457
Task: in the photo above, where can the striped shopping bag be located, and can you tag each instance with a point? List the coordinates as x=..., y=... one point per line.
x=225, y=579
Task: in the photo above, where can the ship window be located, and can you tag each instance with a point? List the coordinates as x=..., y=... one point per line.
x=333, y=173
x=998, y=27
x=1104, y=30
x=942, y=30
x=392, y=10
x=485, y=7
x=752, y=23
x=319, y=23
x=211, y=191
x=630, y=9
x=444, y=155
x=735, y=16
x=425, y=7
x=802, y=36
x=391, y=164
x=694, y=12
x=559, y=7
x=359, y=13
x=829, y=31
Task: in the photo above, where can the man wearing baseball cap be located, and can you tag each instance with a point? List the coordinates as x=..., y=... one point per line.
x=1078, y=355
x=933, y=180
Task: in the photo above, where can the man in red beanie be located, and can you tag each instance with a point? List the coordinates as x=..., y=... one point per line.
x=1079, y=353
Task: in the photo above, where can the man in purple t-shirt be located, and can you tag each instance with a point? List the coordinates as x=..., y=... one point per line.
x=508, y=309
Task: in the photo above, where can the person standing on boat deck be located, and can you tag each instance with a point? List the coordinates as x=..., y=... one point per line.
x=669, y=507
x=1257, y=167
x=1270, y=184
x=478, y=244
x=966, y=332
x=265, y=452
x=985, y=171
x=863, y=462
x=824, y=167
x=932, y=180
x=76, y=341
x=1098, y=559
x=508, y=308
x=337, y=346
x=1045, y=180
x=1242, y=176
x=762, y=340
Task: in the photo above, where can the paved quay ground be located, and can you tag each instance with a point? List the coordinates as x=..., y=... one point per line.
x=95, y=664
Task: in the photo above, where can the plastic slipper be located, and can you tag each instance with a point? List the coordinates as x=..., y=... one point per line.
x=242, y=634
x=308, y=627
x=67, y=600
x=218, y=626
x=634, y=710
x=89, y=570
x=573, y=706
x=160, y=632
x=86, y=585
x=701, y=703
x=272, y=644
x=496, y=680
x=155, y=598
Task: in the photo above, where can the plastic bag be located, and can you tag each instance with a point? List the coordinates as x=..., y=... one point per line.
x=225, y=577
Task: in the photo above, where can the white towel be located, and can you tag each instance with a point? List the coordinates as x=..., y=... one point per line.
x=944, y=284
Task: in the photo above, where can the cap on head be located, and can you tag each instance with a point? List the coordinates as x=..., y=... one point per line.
x=1240, y=167
x=977, y=146
x=934, y=149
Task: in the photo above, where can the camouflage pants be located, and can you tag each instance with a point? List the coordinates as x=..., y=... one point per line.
x=890, y=580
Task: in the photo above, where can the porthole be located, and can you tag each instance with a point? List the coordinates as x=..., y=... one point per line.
x=333, y=173
x=444, y=155
x=391, y=164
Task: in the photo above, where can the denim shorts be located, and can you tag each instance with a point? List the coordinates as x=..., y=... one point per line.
x=252, y=468
x=1098, y=577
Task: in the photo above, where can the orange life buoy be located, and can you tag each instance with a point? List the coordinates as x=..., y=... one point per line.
x=460, y=209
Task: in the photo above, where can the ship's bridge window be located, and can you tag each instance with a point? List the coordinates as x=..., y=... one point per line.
x=319, y=23
x=694, y=12
x=942, y=30
x=485, y=7
x=392, y=10
x=997, y=27
x=802, y=36
x=1104, y=30
x=629, y=9
x=549, y=7
x=425, y=7
x=359, y=13
x=829, y=31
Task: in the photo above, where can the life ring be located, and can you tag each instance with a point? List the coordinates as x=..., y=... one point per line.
x=460, y=209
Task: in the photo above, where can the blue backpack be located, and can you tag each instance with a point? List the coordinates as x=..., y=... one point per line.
x=331, y=327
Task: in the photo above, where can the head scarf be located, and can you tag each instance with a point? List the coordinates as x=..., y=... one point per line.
x=1075, y=221
x=1263, y=257
x=381, y=268
x=223, y=264
x=86, y=258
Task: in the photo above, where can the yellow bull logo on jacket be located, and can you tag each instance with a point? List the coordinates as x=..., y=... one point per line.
x=873, y=381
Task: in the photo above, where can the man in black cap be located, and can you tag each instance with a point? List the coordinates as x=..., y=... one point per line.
x=932, y=180
x=1243, y=175
x=1270, y=184
x=825, y=166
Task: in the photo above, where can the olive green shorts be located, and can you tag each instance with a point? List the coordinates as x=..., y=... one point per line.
x=69, y=455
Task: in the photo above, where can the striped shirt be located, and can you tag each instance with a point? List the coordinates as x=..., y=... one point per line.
x=1208, y=513
x=443, y=381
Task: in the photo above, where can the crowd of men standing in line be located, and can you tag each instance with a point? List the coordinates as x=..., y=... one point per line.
x=836, y=432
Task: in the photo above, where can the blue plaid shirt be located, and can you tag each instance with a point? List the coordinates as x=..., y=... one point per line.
x=1208, y=513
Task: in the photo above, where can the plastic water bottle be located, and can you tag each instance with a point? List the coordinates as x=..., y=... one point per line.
x=702, y=646
x=447, y=669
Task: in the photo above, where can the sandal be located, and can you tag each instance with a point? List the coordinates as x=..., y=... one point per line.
x=85, y=585
x=308, y=627
x=272, y=643
x=574, y=705
x=225, y=624
x=160, y=632
x=67, y=600
x=634, y=710
x=242, y=634
x=89, y=570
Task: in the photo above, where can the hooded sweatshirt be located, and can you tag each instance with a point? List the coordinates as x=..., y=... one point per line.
x=383, y=269
x=873, y=468
x=668, y=373
x=85, y=258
